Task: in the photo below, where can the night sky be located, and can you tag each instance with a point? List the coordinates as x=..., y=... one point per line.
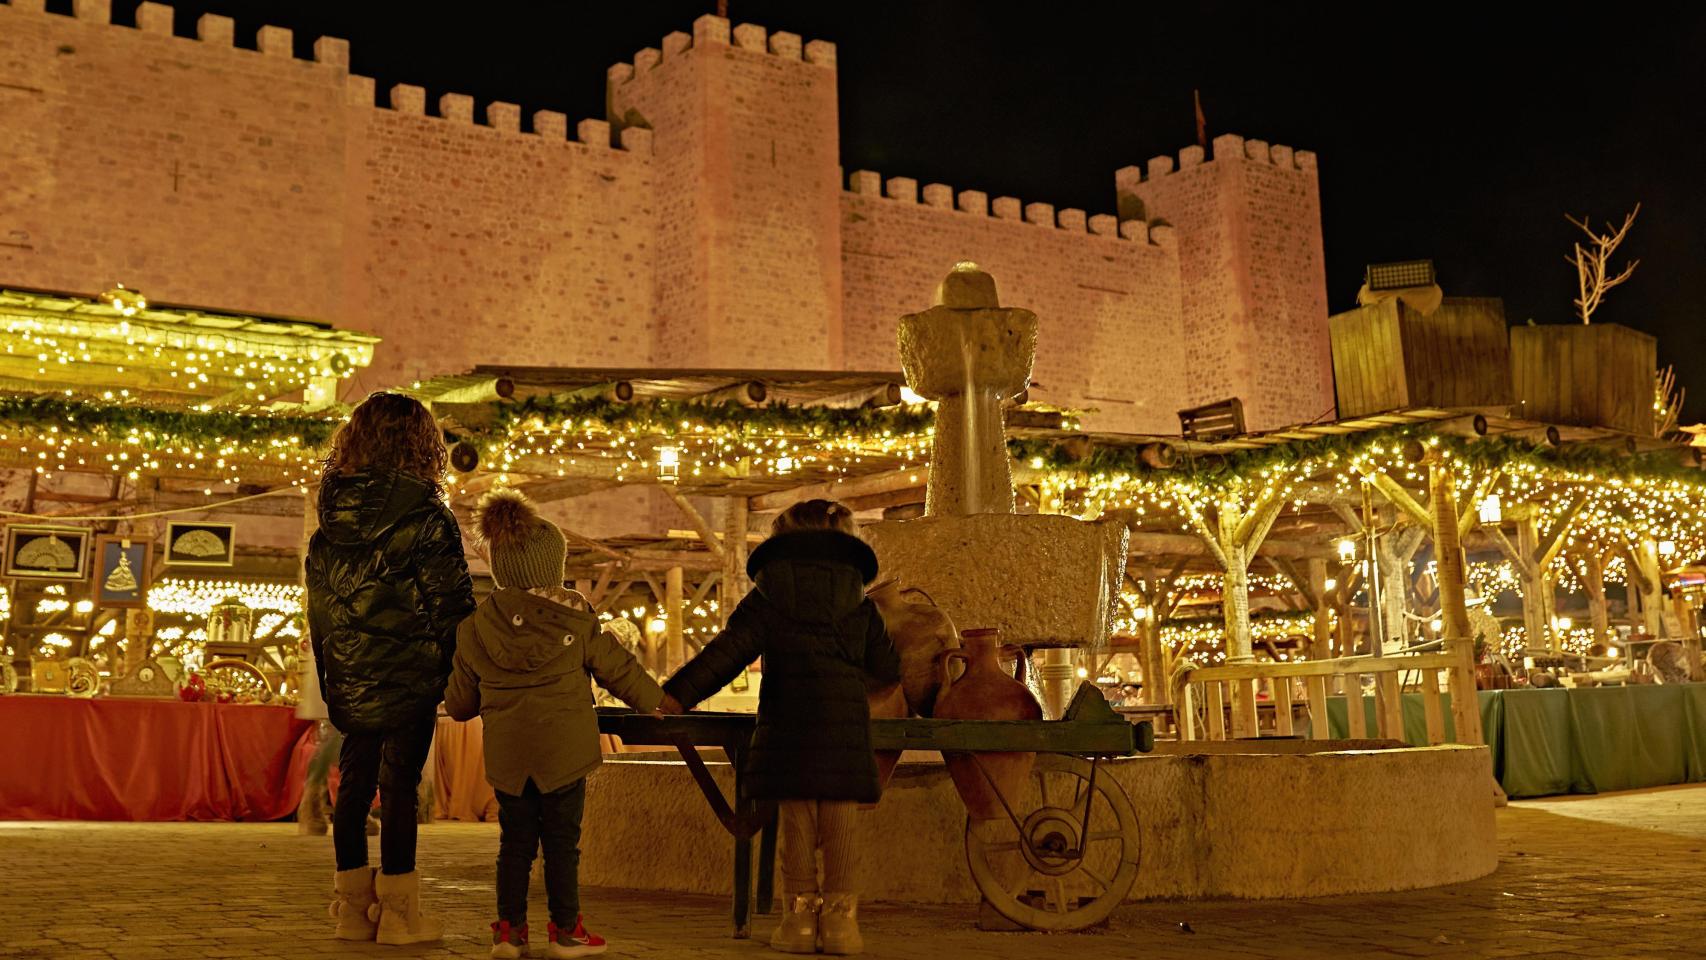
x=1442, y=134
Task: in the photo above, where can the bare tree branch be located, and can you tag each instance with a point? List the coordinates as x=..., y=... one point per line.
x=1591, y=262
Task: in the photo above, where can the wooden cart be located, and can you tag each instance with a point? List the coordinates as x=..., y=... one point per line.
x=1063, y=857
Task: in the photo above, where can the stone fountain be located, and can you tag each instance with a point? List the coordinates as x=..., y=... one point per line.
x=1043, y=581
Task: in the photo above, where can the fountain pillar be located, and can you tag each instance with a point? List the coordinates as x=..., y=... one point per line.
x=970, y=355
x=1043, y=581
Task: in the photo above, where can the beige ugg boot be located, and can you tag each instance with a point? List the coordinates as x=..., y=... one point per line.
x=398, y=911
x=797, y=933
x=353, y=890
x=838, y=924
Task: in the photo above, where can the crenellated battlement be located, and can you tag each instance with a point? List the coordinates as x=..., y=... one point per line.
x=711, y=31
x=905, y=190
x=1227, y=146
x=155, y=19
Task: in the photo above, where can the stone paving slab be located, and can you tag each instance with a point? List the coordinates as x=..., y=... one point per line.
x=1612, y=876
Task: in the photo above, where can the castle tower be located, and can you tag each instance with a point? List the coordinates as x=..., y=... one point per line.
x=746, y=152
x=1254, y=287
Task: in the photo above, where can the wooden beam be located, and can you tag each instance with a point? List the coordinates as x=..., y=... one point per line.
x=1552, y=540
x=697, y=521
x=840, y=489
x=1399, y=497
x=1148, y=544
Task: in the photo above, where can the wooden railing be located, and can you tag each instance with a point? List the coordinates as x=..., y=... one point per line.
x=1201, y=697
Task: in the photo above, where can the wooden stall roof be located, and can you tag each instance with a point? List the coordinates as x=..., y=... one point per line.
x=486, y=384
x=121, y=344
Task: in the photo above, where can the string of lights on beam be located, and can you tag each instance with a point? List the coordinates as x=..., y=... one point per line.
x=123, y=337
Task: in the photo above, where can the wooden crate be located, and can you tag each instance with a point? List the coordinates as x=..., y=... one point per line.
x=1585, y=375
x=1387, y=356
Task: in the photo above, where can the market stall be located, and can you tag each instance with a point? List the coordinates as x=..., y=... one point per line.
x=152, y=485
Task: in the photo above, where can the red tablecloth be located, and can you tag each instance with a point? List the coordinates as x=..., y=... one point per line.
x=126, y=759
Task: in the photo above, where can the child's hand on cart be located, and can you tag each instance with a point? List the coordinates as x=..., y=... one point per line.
x=668, y=706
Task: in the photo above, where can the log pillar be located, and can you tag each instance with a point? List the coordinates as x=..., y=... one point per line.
x=1459, y=638
x=674, y=615
x=1321, y=641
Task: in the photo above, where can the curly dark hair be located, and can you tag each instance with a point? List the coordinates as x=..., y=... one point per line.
x=389, y=431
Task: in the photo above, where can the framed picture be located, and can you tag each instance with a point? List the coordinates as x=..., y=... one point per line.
x=201, y=544
x=122, y=571
x=47, y=553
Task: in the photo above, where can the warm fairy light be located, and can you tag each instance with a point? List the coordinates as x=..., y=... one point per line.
x=1562, y=624
x=910, y=396
x=1613, y=652
x=1491, y=511
x=1667, y=549
x=119, y=333
x=1330, y=584
x=1347, y=550
x=658, y=625
x=197, y=598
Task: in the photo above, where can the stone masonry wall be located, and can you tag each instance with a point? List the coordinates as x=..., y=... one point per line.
x=747, y=146
x=1106, y=294
x=1253, y=274
x=714, y=232
x=205, y=174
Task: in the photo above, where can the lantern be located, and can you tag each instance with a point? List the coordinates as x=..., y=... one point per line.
x=230, y=623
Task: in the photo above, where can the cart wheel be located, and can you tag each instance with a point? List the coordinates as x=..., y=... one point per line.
x=1042, y=874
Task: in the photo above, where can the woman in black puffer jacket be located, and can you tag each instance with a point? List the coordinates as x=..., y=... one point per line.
x=387, y=586
x=824, y=646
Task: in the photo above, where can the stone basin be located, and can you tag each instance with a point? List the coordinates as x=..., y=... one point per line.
x=1247, y=820
x=1041, y=580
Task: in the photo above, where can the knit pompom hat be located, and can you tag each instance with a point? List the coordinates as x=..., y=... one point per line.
x=525, y=549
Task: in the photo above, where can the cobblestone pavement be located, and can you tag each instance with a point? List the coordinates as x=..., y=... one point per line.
x=1613, y=876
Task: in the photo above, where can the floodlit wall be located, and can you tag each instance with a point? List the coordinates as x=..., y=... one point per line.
x=704, y=222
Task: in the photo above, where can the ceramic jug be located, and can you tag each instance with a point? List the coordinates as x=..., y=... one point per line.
x=984, y=691
x=921, y=631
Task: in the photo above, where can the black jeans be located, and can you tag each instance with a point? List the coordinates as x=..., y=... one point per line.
x=389, y=762
x=554, y=820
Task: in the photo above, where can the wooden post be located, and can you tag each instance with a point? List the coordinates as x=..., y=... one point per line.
x=1316, y=688
x=1156, y=689
x=1356, y=716
x=1649, y=575
x=674, y=616
x=734, y=584
x=1459, y=638
x=1594, y=584
x=1389, y=705
x=1320, y=643
x=1281, y=687
x=1534, y=587
x=1430, y=707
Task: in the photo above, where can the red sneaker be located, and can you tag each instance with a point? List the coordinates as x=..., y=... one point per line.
x=579, y=943
x=508, y=942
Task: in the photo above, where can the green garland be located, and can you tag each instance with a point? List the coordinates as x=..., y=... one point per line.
x=666, y=417
x=1482, y=452
x=113, y=422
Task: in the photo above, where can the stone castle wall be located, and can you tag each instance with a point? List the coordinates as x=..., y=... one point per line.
x=205, y=174
x=704, y=223
x=1253, y=274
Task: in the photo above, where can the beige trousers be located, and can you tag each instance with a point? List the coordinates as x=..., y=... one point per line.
x=810, y=826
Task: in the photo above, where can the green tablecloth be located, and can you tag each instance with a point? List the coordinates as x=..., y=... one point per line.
x=1576, y=741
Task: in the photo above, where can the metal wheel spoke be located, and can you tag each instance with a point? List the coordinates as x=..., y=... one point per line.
x=1005, y=846
x=1101, y=836
x=1042, y=784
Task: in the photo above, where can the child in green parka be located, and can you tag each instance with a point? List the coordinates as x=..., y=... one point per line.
x=523, y=664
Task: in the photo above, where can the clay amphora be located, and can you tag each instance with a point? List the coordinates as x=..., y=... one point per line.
x=986, y=692
x=921, y=631
x=886, y=703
